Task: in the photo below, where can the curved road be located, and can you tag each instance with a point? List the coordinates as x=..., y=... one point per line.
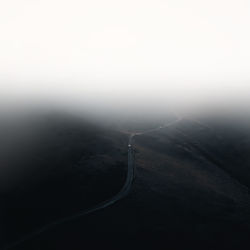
x=122, y=193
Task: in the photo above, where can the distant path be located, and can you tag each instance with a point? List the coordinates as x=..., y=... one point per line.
x=122, y=193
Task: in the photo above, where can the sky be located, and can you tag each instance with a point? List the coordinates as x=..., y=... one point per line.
x=155, y=52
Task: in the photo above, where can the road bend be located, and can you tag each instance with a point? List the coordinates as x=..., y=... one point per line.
x=120, y=195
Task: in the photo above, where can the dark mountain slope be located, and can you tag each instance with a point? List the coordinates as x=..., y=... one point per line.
x=55, y=166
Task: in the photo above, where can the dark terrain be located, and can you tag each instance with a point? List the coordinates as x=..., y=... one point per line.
x=56, y=166
x=191, y=190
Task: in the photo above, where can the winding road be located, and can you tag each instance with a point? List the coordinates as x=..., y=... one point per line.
x=120, y=195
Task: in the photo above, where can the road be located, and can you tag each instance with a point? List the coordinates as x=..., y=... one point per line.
x=122, y=193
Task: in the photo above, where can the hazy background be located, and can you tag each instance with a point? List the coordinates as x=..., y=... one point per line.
x=130, y=54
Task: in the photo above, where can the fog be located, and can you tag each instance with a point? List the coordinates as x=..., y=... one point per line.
x=125, y=55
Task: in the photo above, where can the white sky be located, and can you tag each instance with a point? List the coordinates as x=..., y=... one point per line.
x=180, y=50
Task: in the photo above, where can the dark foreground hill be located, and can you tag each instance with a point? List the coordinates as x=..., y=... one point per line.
x=55, y=165
x=191, y=192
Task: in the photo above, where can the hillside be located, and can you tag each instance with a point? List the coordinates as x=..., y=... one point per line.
x=190, y=192
x=56, y=165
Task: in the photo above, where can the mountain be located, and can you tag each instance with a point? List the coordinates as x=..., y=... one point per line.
x=191, y=189
x=55, y=165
